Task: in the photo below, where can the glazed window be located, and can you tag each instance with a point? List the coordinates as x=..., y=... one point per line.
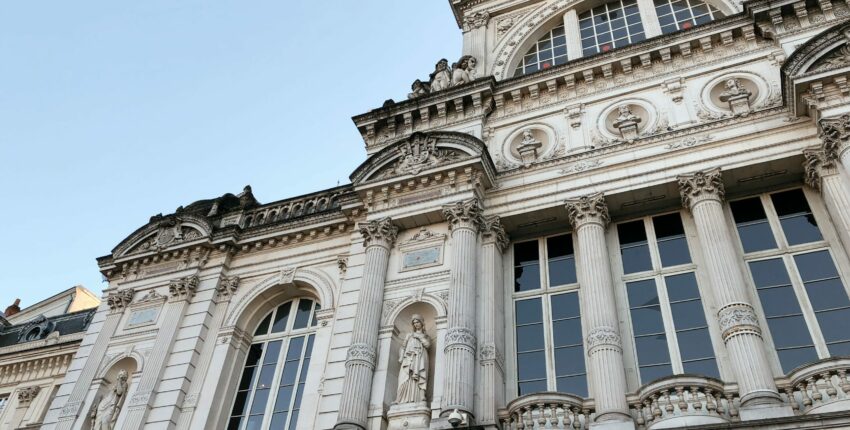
x=610, y=26
x=667, y=315
x=550, y=50
x=272, y=383
x=549, y=347
x=676, y=15
x=802, y=297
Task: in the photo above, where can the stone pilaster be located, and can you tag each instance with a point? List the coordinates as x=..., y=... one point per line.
x=379, y=237
x=117, y=301
x=490, y=374
x=181, y=291
x=475, y=39
x=464, y=222
x=606, y=374
x=822, y=175
x=702, y=193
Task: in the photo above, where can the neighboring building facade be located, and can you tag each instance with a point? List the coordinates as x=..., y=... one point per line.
x=632, y=214
x=36, y=348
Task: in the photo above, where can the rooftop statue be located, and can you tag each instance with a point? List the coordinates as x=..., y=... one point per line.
x=463, y=70
x=441, y=77
x=419, y=89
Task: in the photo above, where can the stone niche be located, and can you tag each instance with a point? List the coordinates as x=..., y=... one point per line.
x=411, y=416
x=100, y=392
x=735, y=93
x=529, y=144
x=627, y=119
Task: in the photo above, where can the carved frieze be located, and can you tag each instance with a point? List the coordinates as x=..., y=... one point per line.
x=460, y=337
x=362, y=354
x=738, y=318
x=380, y=232
x=704, y=184
x=588, y=209
x=418, y=153
x=603, y=336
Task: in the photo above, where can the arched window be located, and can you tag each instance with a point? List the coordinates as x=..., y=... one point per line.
x=272, y=382
x=550, y=50
x=676, y=15
x=610, y=26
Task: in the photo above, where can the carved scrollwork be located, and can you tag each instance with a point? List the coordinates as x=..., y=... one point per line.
x=587, y=209
x=835, y=134
x=183, y=288
x=701, y=185
x=360, y=353
x=464, y=214
x=492, y=230
x=27, y=394
x=118, y=300
x=460, y=337
x=602, y=337
x=380, y=232
x=736, y=319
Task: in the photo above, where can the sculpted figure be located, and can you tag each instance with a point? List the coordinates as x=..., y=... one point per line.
x=461, y=70
x=103, y=416
x=441, y=77
x=625, y=114
x=413, y=356
x=418, y=89
x=734, y=90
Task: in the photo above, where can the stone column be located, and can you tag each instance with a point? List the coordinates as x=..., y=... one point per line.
x=571, y=30
x=822, y=175
x=605, y=372
x=702, y=193
x=835, y=134
x=379, y=237
x=649, y=18
x=490, y=380
x=180, y=292
x=117, y=302
x=464, y=222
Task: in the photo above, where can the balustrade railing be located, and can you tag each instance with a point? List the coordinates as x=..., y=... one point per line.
x=691, y=399
x=294, y=208
x=547, y=410
x=818, y=386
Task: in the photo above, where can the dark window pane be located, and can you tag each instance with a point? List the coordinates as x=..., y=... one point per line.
x=529, y=337
x=266, y=377
x=842, y=348
x=294, y=352
x=263, y=328
x=284, y=395
x=789, y=332
x=778, y=301
x=233, y=424
x=281, y=317
x=258, y=405
x=636, y=259
x=791, y=358
x=688, y=314
x=815, y=265
x=247, y=380
x=642, y=293
x=526, y=278
x=682, y=287
x=240, y=403
x=800, y=229
x=528, y=311
x=272, y=352
x=827, y=294
x=302, y=316
x=565, y=306
x=833, y=324
x=293, y=423
x=695, y=344
x=702, y=367
x=647, y=320
x=290, y=372
x=567, y=332
x=279, y=420
x=562, y=271
x=569, y=361
x=304, y=368
x=651, y=373
x=790, y=202
x=652, y=349
x=668, y=226
x=531, y=365
x=674, y=252
x=525, y=252
x=254, y=423
x=756, y=237
x=631, y=233
x=531, y=387
x=769, y=273
x=254, y=354
x=573, y=384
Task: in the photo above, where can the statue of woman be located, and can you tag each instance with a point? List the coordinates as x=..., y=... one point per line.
x=441, y=77
x=104, y=416
x=413, y=356
x=461, y=70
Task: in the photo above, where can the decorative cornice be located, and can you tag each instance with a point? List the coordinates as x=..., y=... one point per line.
x=835, y=134
x=588, y=209
x=492, y=231
x=603, y=337
x=380, y=232
x=118, y=300
x=183, y=288
x=700, y=186
x=464, y=214
x=737, y=319
x=362, y=354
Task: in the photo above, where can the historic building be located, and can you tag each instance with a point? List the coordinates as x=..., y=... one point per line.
x=629, y=214
x=36, y=348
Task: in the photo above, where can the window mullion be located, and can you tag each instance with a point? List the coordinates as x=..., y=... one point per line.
x=669, y=326
x=278, y=370
x=806, y=306
x=549, y=343
x=775, y=225
x=651, y=26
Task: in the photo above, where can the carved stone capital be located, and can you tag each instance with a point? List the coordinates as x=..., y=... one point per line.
x=492, y=231
x=183, y=288
x=703, y=185
x=380, y=232
x=464, y=214
x=27, y=394
x=588, y=209
x=360, y=353
x=460, y=338
x=737, y=319
x=603, y=337
x=817, y=165
x=227, y=286
x=489, y=354
x=835, y=135
x=118, y=300
x=475, y=20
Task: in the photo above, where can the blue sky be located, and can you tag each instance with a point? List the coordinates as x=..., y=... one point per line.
x=111, y=112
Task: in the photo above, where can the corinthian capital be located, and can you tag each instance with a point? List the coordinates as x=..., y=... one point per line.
x=702, y=185
x=118, y=300
x=380, y=232
x=476, y=20
x=817, y=165
x=835, y=134
x=183, y=288
x=492, y=230
x=588, y=209
x=464, y=214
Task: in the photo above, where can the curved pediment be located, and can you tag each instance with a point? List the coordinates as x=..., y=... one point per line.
x=826, y=51
x=164, y=232
x=420, y=152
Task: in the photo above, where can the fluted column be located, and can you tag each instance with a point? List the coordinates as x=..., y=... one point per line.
x=490, y=380
x=117, y=302
x=464, y=222
x=702, y=193
x=379, y=237
x=822, y=175
x=835, y=135
x=180, y=292
x=606, y=374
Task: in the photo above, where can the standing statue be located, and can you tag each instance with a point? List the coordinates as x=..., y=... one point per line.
x=461, y=70
x=441, y=77
x=413, y=356
x=104, y=416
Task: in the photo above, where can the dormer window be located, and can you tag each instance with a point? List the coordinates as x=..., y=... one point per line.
x=610, y=26
x=674, y=15
x=550, y=50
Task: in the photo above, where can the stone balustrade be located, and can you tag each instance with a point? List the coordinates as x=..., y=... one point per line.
x=548, y=410
x=684, y=400
x=293, y=208
x=819, y=387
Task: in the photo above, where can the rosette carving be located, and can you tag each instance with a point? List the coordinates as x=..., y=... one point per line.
x=738, y=318
x=835, y=134
x=360, y=353
x=587, y=209
x=492, y=230
x=700, y=185
x=380, y=232
x=603, y=337
x=460, y=337
x=464, y=214
x=118, y=300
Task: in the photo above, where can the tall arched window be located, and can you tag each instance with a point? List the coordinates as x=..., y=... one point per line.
x=610, y=26
x=272, y=382
x=550, y=50
x=676, y=15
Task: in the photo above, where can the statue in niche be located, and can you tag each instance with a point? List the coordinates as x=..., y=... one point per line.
x=441, y=77
x=462, y=70
x=734, y=89
x=105, y=414
x=627, y=122
x=418, y=89
x=413, y=356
